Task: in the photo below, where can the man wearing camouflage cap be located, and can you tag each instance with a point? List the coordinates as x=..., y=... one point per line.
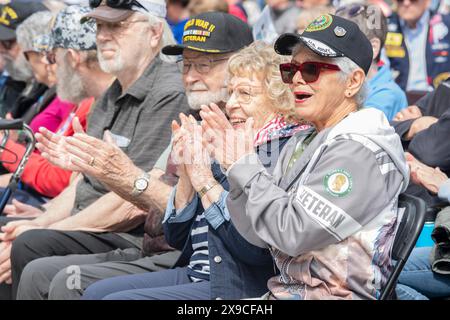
x=134, y=114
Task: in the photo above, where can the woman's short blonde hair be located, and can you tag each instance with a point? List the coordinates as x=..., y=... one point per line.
x=260, y=59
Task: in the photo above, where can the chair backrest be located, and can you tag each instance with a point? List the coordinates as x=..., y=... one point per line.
x=414, y=96
x=407, y=234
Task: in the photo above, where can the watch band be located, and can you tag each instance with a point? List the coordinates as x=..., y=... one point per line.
x=206, y=188
x=144, y=176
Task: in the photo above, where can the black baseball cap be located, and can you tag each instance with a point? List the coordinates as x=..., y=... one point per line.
x=331, y=36
x=213, y=32
x=14, y=13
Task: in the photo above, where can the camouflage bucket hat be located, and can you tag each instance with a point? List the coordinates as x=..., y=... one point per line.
x=41, y=43
x=69, y=33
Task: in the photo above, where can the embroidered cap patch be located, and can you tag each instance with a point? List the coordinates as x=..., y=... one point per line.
x=320, y=23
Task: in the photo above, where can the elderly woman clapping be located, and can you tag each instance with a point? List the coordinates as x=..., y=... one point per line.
x=329, y=210
x=216, y=262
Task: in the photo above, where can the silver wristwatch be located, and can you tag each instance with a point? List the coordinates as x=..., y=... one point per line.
x=140, y=184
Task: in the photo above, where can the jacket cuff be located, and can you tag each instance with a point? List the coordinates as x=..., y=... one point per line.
x=181, y=215
x=402, y=128
x=218, y=213
x=444, y=191
x=245, y=169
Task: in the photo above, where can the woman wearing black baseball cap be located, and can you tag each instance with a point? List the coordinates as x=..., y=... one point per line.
x=329, y=211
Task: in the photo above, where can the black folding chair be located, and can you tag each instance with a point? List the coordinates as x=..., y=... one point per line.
x=15, y=178
x=407, y=234
x=414, y=96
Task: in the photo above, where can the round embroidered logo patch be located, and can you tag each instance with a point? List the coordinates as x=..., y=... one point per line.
x=320, y=23
x=338, y=183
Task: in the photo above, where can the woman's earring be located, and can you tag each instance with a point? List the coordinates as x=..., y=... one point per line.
x=348, y=94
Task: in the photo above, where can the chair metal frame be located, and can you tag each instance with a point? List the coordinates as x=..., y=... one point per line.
x=405, y=239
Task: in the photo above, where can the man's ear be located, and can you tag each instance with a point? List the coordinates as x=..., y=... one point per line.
x=156, y=35
x=74, y=58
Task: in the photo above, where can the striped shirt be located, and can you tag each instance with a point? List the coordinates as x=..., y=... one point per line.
x=198, y=268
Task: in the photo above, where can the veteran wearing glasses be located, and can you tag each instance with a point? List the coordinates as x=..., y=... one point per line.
x=328, y=212
x=417, y=45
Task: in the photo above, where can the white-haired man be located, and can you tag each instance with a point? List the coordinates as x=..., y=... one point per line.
x=205, y=78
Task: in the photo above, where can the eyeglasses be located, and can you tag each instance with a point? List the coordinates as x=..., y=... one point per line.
x=202, y=66
x=244, y=93
x=115, y=27
x=7, y=44
x=117, y=4
x=309, y=70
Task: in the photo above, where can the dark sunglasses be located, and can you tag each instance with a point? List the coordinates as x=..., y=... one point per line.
x=309, y=71
x=117, y=4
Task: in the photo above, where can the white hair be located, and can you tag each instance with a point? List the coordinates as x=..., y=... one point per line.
x=70, y=85
x=347, y=66
x=167, y=36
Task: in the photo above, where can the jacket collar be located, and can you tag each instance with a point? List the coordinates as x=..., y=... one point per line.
x=304, y=159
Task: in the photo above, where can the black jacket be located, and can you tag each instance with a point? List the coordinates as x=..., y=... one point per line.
x=430, y=146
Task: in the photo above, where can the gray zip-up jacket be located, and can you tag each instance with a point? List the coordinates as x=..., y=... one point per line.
x=331, y=219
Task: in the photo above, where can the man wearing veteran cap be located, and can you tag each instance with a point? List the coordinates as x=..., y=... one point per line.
x=11, y=16
x=209, y=39
x=329, y=210
x=205, y=78
x=132, y=115
x=417, y=45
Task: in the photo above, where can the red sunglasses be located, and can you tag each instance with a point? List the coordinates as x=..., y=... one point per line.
x=310, y=70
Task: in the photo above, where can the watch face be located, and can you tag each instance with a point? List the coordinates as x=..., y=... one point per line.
x=141, y=184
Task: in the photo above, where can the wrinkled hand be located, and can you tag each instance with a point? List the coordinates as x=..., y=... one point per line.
x=5, y=262
x=196, y=157
x=179, y=137
x=53, y=147
x=19, y=209
x=419, y=125
x=223, y=142
x=411, y=112
x=431, y=179
x=426, y=176
x=102, y=159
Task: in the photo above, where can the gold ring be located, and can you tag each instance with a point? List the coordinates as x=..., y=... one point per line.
x=91, y=163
